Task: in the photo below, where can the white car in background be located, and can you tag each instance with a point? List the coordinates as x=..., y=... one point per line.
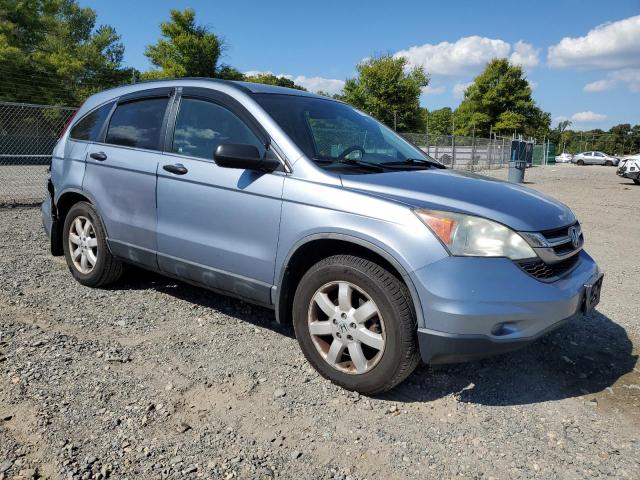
x=564, y=158
x=630, y=168
x=594, y=158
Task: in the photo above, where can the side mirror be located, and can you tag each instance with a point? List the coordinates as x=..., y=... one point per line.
x=246, y=157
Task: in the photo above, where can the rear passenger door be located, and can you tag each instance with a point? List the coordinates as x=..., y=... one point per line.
x=217, y=226
x=121, y=173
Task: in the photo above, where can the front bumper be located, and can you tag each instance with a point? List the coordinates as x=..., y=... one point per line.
x=477, y=307
x=630, y=175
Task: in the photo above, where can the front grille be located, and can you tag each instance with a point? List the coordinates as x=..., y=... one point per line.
x=560, y=234
x=544, y=271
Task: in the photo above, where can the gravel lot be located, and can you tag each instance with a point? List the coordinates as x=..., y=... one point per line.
x=157, y=379
x=22, y=183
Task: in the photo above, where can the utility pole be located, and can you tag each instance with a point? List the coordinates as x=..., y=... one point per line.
x=395, y=121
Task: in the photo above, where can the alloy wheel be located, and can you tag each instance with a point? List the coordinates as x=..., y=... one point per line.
x=83, y=245
x=346, y=327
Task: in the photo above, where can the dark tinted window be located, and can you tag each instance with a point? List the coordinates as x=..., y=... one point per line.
x=201, y=126
x=88, y=128
x=137, y=123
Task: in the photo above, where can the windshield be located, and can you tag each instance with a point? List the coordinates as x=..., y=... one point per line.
x=334, y=134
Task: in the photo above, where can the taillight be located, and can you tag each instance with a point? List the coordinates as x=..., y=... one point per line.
x=66, y=124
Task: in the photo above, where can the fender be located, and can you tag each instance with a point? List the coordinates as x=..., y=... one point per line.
x=388, y=256
x=56, y=198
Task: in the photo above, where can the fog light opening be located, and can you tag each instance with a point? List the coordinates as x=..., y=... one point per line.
x=502, y=329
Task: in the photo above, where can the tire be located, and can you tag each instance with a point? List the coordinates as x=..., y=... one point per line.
x=608, y=163
x=636, y=181
x=394, y=324
x=104, y=268
x=580, y=162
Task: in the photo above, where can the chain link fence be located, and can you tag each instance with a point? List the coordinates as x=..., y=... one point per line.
x=464, y=153
x=28, y=134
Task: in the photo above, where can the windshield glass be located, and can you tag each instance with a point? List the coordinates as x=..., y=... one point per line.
x=331, y=132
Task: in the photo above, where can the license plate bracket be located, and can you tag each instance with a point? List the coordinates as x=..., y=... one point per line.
x=592, y=290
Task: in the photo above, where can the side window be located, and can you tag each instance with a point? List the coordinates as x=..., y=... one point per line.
x=88, y=128
x=137, y=123
x=202, y=125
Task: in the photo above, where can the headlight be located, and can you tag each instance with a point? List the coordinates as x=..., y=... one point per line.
x=472, y=236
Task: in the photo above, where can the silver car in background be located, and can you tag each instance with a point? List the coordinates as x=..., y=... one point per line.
x=594, y=158
x=564, y=157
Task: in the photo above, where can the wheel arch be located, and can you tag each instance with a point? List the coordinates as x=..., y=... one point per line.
x=59, y=210
x=314, y=248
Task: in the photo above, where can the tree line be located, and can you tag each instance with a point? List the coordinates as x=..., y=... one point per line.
x=54, y=52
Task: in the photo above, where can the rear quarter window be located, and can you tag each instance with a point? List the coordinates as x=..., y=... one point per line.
x=138, y=123
x=90, y=126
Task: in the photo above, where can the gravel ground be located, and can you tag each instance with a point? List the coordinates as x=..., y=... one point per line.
x=22, y=183
x=156, y=379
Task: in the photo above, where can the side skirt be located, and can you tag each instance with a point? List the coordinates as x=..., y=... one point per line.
x=218, y=281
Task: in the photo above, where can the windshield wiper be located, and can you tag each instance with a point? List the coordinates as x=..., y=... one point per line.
x=374, y=167
x=415, y=162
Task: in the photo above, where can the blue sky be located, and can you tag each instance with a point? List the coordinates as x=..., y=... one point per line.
x=582, y=57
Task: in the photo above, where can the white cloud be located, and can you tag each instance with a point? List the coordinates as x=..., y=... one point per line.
x=317, y=84
x=525, y=55
x=459, y=89
x=588, y=116
x=629, y=77
x=431, y=90
x=598, y=86
x=560, y=118
x=468, y=55
x=465, y=55
x=614, y=45
x=313, y=84
x=532, y=84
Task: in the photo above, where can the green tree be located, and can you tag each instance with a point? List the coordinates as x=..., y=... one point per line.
x=51, y=52
x=387, y=91
x=270, y=79
x=187, y=49
x=440, y=121
x=500, y=99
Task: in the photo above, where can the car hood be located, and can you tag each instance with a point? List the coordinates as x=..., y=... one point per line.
x=518, y=207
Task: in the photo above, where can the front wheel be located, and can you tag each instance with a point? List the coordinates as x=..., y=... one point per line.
x=85, y=248
x=580, y=162
x=355, y=324
x=608, y=163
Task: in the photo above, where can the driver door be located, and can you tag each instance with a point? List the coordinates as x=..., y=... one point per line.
x=217, y=226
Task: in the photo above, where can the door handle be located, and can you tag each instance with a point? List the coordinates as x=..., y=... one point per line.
x=178, y=169
x=100, y=156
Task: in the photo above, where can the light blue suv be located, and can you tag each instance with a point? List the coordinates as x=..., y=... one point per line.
x=376, y=253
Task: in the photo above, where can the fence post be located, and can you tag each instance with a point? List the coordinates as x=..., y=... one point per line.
x=453, y=150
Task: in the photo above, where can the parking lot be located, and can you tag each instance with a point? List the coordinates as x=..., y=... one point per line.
x=153, y=378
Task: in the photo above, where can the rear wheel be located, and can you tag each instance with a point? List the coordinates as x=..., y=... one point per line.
x=85, y=248
x=355, y=324
x=580, y=162
x=608, y=163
